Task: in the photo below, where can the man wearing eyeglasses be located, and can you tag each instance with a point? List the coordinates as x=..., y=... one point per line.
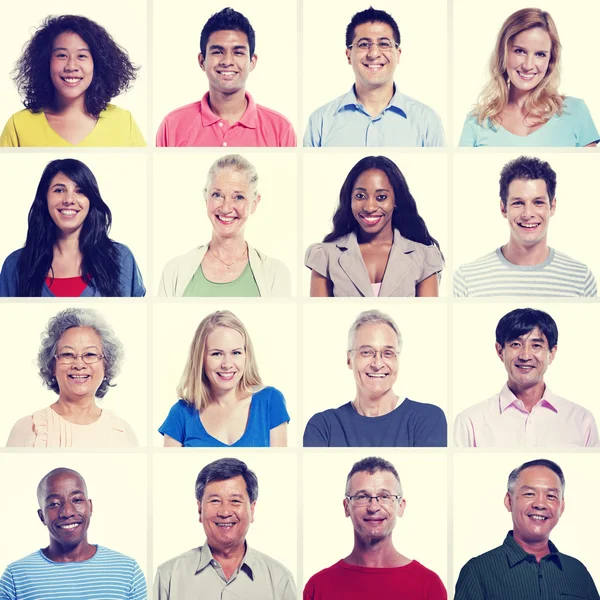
x=225, y=566
x=374, y=112
x=374, y=568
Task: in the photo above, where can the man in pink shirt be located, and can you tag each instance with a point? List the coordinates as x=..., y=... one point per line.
x=526, y=413
x=227, y=114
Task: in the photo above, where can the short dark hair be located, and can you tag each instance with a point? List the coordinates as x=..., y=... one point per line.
x=227, y=20
x=373, y=464
x=226, y=468
x=538, y=462
x=520, y=321
x=371, y=15
x=527, y=167
x=58, y=471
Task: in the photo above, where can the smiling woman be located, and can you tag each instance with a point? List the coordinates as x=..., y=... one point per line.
x=67, y=75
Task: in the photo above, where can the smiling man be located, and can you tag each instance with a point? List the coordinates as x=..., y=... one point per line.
x=80, y=570
x=528, y=564
x=227, y=114
x=526, y=412
x=374, y=112
x=373, y=502
x=224, y=567
x=526, y=265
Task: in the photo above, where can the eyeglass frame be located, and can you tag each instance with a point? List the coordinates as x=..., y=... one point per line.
x=352, y=499
x=395, y=46
x=376, y=352
x=62, y=360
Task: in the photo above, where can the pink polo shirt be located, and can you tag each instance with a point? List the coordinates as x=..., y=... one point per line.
x=196, y=125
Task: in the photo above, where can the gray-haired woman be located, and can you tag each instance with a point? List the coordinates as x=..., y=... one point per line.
x=78, y=360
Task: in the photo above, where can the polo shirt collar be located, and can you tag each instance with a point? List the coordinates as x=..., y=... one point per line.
x=246, y=565
x=515, y=554
x=248, y=119
x=398, y=101
x=549, y=400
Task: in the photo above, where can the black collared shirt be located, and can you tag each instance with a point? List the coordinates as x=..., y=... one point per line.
x=509, y=573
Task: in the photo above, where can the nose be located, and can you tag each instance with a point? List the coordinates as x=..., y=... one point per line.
x=377, y=360
x=226, y=361
x=67, y=510
x=528, y=61
x=224, y=510
x=68, y=197
x=525, y=353
x=373, y=505
x=78, y=363
x=371, y=204
x=373, y=51
x=226, y=58
x=71, y=64
x=227, y=205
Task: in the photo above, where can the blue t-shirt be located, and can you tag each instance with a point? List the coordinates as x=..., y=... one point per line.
x=574, y=127
x=108, y=575
x=267, y=411
x=410, y=424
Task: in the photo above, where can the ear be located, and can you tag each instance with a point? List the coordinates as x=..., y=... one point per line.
x=346, y=505
x=553, y=206
x=41, y=516
x=252, y=506
x=253, y=61
x=401, y=507
x=199, y=510
x=255, y=204
x=500, y=351
x=91, y=506
x=399, y=52
x=553, y=354
x=349, y=360
x=201, y=61
x=508, y=502
x=562, y=507
x=348, y=52
x=503, y=209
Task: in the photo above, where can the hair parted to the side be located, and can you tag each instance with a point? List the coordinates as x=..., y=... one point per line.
x=100, y=266
x=112, y=348
x=371, y=15
x=538, y=462
x=527, y=168
x=405, y=218
x=369, y=317
x=373, y=464
x=113, y=71
x=227, y=20
x=194, y=386
x=236, y=162
x=544, y=101
x=521, y=321
x=227, y=468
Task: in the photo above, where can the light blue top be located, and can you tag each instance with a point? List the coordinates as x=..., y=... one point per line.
x=108, y=575
x=403, y=122
x=267, y=411
x=574, y=127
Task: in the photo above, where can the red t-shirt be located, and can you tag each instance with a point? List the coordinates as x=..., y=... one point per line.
x=350, y=582
x=66, y=286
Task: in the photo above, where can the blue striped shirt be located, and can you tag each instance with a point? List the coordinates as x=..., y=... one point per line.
x=108, y=575
x=492, y=275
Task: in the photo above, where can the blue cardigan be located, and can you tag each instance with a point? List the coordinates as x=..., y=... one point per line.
x=130, y=281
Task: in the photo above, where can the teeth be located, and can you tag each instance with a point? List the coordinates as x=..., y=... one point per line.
x=68, y=212
x=71, y=526
x=71, y=79
x=377, y=375
x=528, y=76
x=78, y=376
x=372, y=219
x=227, y=72
x=226, y=219
x=226, y=375
x=529, y=225
x=226, y=525
x=538, y=518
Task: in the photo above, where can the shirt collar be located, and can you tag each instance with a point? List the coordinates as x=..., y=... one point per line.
x=398, y=101
x=248, y=119
x=549, y=400
x=515, y=554
x=350, y=241
x=247, y=564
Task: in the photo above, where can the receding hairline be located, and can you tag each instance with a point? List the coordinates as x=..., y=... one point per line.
x=42, y=485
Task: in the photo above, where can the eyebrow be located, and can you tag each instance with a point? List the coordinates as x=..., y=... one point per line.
x=73, y=493
x=523, y=48
x=365, y=189
x=221, y=350
x=536, y=339
x=368, y=39
x=77, y=50
x=236, y=47
x=368, y=493
x=536, y=198
x=72, y=348
x=369, y=346
x=530, y=487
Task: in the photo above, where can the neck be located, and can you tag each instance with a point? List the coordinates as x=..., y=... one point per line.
x=226, y=398
x=530, y=395
x=539, y=548
x=229, y=554
x=374, y=406
x=228, y=106
x=517, y=98
x=57, y=553
x=66, y=406
x=63, y=106
x=383, y=237
x=67, y=243
x=228, y=247
x=517, y=254
x=376, y=98
x=379, y=553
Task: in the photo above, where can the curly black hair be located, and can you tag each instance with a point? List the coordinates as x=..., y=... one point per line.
x=113, y=71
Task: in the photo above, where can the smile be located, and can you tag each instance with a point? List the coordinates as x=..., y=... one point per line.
x=79, y=377
x=72, y=80
x=525, y=367
x=374, y=68
x=529, y=225
x=537, y=517
x=372, y=219
x=226, y=220
x=377, y=375
x=226, y=376
x=225, y=525
x=526, y=76
x=68, y=213
x=69, y=526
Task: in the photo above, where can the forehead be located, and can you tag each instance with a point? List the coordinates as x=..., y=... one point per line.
x=70, y=40
x=373, y=178
x=528, y=188
x=230, y=178
x=80, y=336
x=62, y=483
x=373, y=31
x=222, y=337
x=227, y=37
x=375, y=334
x=61, y=178
x=538, y=477
x=235, y=486
x=373, y=482
x=534, y=334
x=535, y=39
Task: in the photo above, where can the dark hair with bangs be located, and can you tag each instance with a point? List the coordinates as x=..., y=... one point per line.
x=226, y=468
x=227, y=20
x=538, y=462
x=527, y=168
x=521, y=321
x=405, y=218
x=371, y=15
x=113, y=71
x=100, y=266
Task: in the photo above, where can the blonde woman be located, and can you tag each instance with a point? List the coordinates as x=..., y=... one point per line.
x=223, y=401
x=521, y=104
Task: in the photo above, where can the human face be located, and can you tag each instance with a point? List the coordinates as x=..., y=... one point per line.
x=227, y=63
x=230, y=200
x=374, y=376
x=528, y=58
x=375, y=67
x=79, y=380
x=526, y=359
x=528, y=211
x=536, y=504
x=67, y=205
x=373, y=202
x=226, y=513
x=65, y=509
x=71, y=66
x=224, y=359
x=374, y=521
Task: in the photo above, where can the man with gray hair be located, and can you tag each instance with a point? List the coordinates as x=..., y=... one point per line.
x=376, y=416
x=528, y=564
x=374, y=501
x=224, y=567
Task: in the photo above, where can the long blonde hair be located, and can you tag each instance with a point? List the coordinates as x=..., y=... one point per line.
x=194, y=386
x=544, y=101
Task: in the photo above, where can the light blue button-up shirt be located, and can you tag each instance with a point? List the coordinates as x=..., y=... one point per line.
x=403, y=122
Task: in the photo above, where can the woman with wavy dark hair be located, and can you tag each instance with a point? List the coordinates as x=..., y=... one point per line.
x=68, y=73
x=67, y=251
x=379, y=245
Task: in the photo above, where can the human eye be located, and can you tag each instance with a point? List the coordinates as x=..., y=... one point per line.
x=361, y=497
x=53, y=504
x=385, y=44
x=238, y=352
x=385, y=497
x=66, y=356
x=240, y=52
x=363, y=45
x=367, y=353
x=236, y=502
x=215, y=353
x=389, y=354
x=216, y=195
x=519, y=50
x=360, y=196
x=90, y=355
x=239, y=197
x=515, y=344
x=214, y=502
x=541, y=54
x=381, y=197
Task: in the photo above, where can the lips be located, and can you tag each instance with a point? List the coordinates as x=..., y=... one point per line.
x=68, y=526
x=227, y=75
x=370, y=220
x=225, y=220
x=68, y=213
x=225, y=525
x=526, y=76
x=71, y=81
x=377, y=375
x=226, y=376
x=531, y=226
x=538, y=518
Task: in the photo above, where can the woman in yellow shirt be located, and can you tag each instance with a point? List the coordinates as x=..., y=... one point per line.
x=67, y=75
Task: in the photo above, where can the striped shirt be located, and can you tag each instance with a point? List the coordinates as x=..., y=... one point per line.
x=493, y=275
x=108, y=575
x=509, y=573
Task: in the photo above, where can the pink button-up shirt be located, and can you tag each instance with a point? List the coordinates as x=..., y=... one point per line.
x=503, y=421
x=196, y=125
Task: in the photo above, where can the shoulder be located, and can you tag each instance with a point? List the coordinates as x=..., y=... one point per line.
x=565, y=261
x=267, y=261
x=484, y=262
x=267, y=393
x=108, y=555
x=125, y=254
x=329, y=109
x=26, y=117
x=114, y=113
x=181, y=407
x=481, y=408
x=572, y=105
x=193, y=257
x=574, y=564
x=34, y=559
x=422, y=409
x=12, y=259
x=184, y=112
x=22, y=432
x=187, y=561
x=332, y=414
x=273, y=117
x=419, y=108
x=325, y=575
x=273, y=566
x=489, y=558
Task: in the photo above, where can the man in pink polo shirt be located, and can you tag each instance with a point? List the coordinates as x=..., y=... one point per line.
x=227, y=114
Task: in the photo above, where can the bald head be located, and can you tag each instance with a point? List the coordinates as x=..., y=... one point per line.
x=44, y=484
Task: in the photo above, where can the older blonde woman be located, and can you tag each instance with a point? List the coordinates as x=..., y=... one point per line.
x=227, y=265
x=521, y=104
x=223, y=401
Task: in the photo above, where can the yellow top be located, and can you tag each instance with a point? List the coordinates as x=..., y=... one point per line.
x=115, y=127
